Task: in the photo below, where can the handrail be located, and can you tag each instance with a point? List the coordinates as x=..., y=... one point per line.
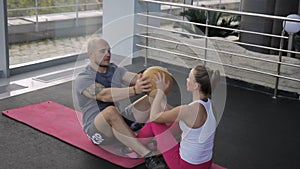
x=220, y=51
x=222, y=10
x=213, y=38
x=220, y=63
x=36, y=9
x=51, y=7
x=212, y=26
x=276, y=63
x=205, y=36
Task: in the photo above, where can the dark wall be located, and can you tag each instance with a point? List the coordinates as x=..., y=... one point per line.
x=263, y=25
x=282, y=8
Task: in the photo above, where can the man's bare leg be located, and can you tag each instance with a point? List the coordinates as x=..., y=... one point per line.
x=110, y=122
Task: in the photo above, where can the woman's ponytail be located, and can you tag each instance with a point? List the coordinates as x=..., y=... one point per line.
x=214, y=79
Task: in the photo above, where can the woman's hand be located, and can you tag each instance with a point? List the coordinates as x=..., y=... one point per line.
x=160, y=81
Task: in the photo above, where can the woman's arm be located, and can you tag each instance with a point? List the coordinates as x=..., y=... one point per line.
x=159, y=115
x=158, y=111
x=156, y=108
x=187, y=113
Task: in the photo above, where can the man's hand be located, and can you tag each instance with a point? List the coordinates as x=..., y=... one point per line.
x=143, y=84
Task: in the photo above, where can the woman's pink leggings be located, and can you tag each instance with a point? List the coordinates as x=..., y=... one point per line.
x=168, y=145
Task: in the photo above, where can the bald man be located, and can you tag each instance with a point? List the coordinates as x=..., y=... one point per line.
x=98, y=88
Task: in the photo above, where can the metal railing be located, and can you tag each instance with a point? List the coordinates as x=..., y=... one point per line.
x=278, y=63
x=73, y=8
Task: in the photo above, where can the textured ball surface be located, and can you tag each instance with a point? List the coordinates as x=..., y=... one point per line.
x=151, y=71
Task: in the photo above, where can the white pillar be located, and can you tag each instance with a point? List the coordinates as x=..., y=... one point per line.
x=4, y=59
x=119, y=25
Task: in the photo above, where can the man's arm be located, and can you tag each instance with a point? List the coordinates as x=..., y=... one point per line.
x=140, y=82
x=130, y=78
x=98, y=92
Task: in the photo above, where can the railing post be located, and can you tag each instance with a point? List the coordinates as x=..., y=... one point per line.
x=206, y=35
x=76, y=20
x=147, y=39
x=278, y=65
x=241, y=5
x=290, y=44
x=36, y=16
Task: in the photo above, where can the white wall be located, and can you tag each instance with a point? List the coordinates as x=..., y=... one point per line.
x=119, y=25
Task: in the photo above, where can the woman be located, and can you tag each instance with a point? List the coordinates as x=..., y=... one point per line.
x=196, y=120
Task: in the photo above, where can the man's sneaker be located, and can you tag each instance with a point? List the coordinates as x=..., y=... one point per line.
x=125, y=151
x=153, y=162
x=135, y=126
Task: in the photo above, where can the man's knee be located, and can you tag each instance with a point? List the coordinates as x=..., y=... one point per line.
x=111, y=114
x=128, y=113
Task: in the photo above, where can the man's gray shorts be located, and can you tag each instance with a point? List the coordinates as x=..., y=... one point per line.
x=98, y=138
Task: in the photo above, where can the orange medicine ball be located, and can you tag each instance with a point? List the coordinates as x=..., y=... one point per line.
x=151, y=71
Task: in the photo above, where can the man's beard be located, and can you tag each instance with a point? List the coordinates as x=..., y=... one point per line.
x=101, y=65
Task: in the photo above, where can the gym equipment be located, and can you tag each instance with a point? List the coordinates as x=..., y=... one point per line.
x=151, y=71
x=62, y=123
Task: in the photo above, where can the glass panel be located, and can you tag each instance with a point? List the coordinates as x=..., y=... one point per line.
x=46, y=29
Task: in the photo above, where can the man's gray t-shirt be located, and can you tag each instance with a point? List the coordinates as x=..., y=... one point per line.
x=90, y=107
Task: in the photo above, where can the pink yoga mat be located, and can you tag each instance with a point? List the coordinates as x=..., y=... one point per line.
x=61, y=122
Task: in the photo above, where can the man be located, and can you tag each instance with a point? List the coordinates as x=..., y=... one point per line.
x=98, y=88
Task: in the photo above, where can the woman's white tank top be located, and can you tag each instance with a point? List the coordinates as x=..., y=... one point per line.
x=196, y=144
